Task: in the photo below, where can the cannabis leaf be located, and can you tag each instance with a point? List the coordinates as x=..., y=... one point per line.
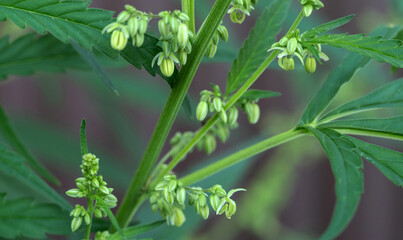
x=390, y=51
x=326, y=27
x=254, y=49
x=256, y=94
x=73, y=20
x=23, y=217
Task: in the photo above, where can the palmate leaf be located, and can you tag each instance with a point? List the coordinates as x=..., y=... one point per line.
x=389, y=162
x=340, y=75
x=11, y=164
x=327, y=27
x=73, y=20
x=256, y=94
x=24, y=218
x=389, y=95
x=346, y=166
x=29, y=54
x=383, y=127
x=390, y=51
x=254, y=49
x=7, y=131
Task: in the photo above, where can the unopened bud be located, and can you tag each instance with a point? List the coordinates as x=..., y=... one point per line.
x=132, y=26
x=254, y=114
x=288, y=63
x=201, y=110
x=310, y=65
x=217, y=104
x=292, y=45
x=183, y=56
x=181, y=195
x=123, y=17
x=118, y=40
x=223, y=32
x=307, y=9
x=163, y=28
x=211, y=50
x=233, y=116
x=223, y=115
x=204, y=212
x=76, y=223
x=283, y=41
x=143, y=24
x=167, y=67
x=214, y=201
x=182, y=35
x=209, y=144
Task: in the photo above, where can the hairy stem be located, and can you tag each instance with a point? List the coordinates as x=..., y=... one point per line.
x=242, y=155
x=168, y=115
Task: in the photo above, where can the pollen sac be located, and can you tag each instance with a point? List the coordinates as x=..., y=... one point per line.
x=167, y=67
x=233, y=116
x=201, y=110
x=310, y=64
x=292, y=45
x=118, y=40
x=182, y=36
x=307, y=9
x=288, y=63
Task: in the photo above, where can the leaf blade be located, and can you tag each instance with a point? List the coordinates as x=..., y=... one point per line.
x=327, y=26
x=254, y=49
x=256, y=94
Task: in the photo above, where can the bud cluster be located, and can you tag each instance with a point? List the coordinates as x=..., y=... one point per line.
x=309, y=5
x=220, y=33
x=176, y=41
x=169, y=199
x=240, y=8
x=291, y=46
x=89, y=186
x=179, y=141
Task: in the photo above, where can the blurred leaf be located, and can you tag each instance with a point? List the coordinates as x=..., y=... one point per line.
x=389, y=95
x=256, y=94
x=89, y=57
x=390, y=126
x=23, y=217
x=83, y=139
x=254, y=49
x=389, y=162
x=327, y=27
x=340, y=75
x=131, y=232
x=13, y=165
x=346, y=167
x=28, y=54
x=12, y=138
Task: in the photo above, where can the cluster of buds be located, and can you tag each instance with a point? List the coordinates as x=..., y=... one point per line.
x=169, y=199
x=176, y=41
x=130, y=23
x=291, y=46
x=309, y=5
x=211, y=101
x=90, y=185
x=220, y=33
x=179, y=141
x=240, y=8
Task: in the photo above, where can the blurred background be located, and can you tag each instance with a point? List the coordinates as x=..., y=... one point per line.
x=290, y=188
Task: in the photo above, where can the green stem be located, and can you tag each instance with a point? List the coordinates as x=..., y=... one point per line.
x=188, y=7
x=234, y=98
x=242, y=155
x=90, y=212
x=169, y=113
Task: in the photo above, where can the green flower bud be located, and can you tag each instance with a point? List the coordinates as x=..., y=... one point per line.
x=143, y=24
x=130, y=8
x=167, y=67
x=209, y=144
x=87, y=218
x=217, y=104
x=214, y=201
x=248, y=108
x=183, y=56
x=168, y=196
x=139, y=39
x=230, y=211
x=254, y=114
x=202, y=200
x=76, y=212
x=95, y=182
x=174, y=24
x=211, y=50
x=216, y=38
x=132, y=26
x=111, y=198
x=182, y=36
x=123, y=17
x=310, y=65
x=233, y=116
x=178, y=217
x=292, y=45
x=160, y=186
x=166, y=48
x=154, y=208
x=237, y=16
x=307, y=9
x=73, y=192
x=223, y=32
x=172, y=185
x=223, y=115
x=97, y=213
x=204, y=212
x=118, y=40
x=163, y=28
x=201, y=110
x=288, y=63
x=188, y=47
x=183, y=17
x=103, y=189
x=247, y=4
x=283, y=41
x=181, y=195
x=76, y=223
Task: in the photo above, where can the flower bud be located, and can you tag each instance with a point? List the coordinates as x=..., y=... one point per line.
x=204, y=212
x=76, y=223
x=214, y=201
x=181, y=195
x=139, y=39
x=183, y=56
x=211, y=50
x=209, y=144
x=307, y=9
x=292, y=45
x=143, y=24
x=111, y=198
x=283, y=41
x=97, y=213
x=123, y=17
x=216, y=38
x=223, y=32
x=167, y=67
x=310, y=65
x=95, y=182
x=130, y=8
x=104, y=189
x=230, y=211
x=172, y=185
x=163, y=28
x=87, y=218
x=223, y=115
x=178, y=217
x=233, y=116
x=202, y=200
x=174, y=24
x=73, y=192
x=217, y=104
x=118, y=40
x=254, y=115
x=183, y=17
x=288, y=63
x=166, y=48
x=132, y=26
x=201, y=110
x=182, y=35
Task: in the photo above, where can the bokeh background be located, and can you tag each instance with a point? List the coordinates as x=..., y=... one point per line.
x=290, y=189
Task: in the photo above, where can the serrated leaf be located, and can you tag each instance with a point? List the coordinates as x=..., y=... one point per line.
x=73, y=20
x=24, y=218
x=29, y=54
x=340, y=75
x=389, y=95
x=254, y=49
x=131, y=232
x=389, y=162
x=390, y=127
x=327, y=26
x=7, y=131
x=346, y=166
x=90, y=59
x=390, y=51
x=256, y=94
x=12, y=164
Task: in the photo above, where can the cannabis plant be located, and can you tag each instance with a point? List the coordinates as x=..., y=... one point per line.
x=68, y=34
